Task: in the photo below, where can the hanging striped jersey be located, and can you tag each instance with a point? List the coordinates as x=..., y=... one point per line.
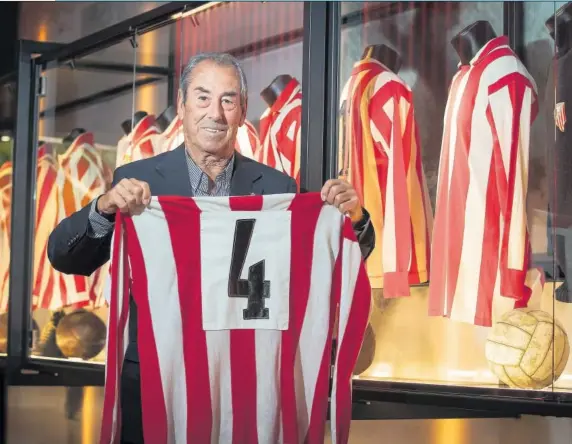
x=381, y=156
x=80, y=179
x=280, y=129
x=247, y=141
x=47, y=195
x=172, y=137
x=481, y=251
x=237, y=301
x=143, y=141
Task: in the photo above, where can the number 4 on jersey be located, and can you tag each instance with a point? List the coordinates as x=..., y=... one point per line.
x=255, y=288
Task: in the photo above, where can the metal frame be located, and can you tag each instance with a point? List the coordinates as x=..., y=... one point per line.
x=513, y=19
x=316, y=52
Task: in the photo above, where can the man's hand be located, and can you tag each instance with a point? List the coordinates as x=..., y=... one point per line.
x=128, y=196
x=343, y=196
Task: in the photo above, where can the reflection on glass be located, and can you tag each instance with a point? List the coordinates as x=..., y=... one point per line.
x=439, y=117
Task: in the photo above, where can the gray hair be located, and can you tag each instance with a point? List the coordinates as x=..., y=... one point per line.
x=222, y=59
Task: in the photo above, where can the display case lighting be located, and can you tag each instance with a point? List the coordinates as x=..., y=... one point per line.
x=181, y=15
x=5, y=138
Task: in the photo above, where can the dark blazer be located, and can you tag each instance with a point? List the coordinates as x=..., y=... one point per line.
x=72, y=251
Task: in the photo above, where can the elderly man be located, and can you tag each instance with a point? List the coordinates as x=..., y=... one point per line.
x=212, y=105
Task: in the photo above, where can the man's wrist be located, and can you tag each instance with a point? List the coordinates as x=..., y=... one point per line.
x=357, y=215
x=362, y=221
x=109, y=216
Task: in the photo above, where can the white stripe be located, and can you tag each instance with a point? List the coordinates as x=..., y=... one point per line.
x=479, y=165
x=314, y=334
x=268, y=417
x=218, y=351
x=163, y=291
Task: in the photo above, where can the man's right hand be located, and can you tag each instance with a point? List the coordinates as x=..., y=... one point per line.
x=128, y=196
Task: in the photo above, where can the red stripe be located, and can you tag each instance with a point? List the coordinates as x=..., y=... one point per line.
x=243, y=360
x=348, y=348
x=316, y=430
x=183, y=217
x=438, y=277
x=153, y=408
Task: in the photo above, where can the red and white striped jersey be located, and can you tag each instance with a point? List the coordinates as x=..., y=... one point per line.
x=247, y=141
x=81, y=178
x=173, y=136
x=144, y=141
x=235, y=338
x=381, y=156
x=47, y=195
x=122, y=147
x=481, y=251
x=280, y=129
x=5, y=230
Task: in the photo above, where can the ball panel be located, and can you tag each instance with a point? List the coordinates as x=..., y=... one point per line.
x=541, y=316
x=507, y=334
x=502, y=354
x=518, y=378
x=542, y=369
x=534, y=358
x=520, y=318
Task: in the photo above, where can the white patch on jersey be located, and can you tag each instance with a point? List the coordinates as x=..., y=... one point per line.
x=269, y=247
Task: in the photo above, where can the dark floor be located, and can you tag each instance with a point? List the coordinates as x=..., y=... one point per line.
x=37, y=415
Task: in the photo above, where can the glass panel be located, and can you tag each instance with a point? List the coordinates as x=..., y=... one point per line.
x=441, y=135
x=557, y=134
x=7, y=120
x=85, y=119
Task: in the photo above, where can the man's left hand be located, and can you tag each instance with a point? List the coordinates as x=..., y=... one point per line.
x=343, y=196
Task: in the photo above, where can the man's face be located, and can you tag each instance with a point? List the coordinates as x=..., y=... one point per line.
x=212, y=112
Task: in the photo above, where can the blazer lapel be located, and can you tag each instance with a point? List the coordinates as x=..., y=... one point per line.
x=175, y=173
x=246, y=178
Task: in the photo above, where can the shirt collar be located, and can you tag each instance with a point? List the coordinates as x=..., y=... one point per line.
x=490, y=46
x=198, y=175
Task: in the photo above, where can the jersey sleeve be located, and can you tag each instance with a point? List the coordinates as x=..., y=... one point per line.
x=353, y=315
x=511, y=110
x=389, y=109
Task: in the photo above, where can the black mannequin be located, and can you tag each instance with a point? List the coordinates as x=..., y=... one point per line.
x=74, y=134
x=126, y=125
x=165, y=118
x=384, y=54
x=559, y=27
x=272, y=91
x=470, y=40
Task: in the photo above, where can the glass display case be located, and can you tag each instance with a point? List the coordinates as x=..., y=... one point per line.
x=448, y=131
x=448, y=118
